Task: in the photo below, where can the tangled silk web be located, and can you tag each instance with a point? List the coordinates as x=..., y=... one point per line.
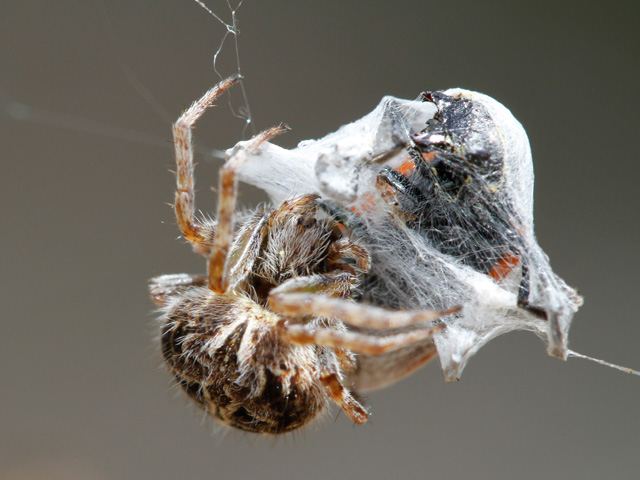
x=441, y=192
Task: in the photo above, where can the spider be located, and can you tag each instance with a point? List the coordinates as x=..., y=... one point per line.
x=272, y=333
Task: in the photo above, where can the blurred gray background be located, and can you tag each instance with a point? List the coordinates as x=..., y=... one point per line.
x=85, y=223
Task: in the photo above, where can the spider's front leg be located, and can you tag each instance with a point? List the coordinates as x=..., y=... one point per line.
x=184, y=206
x=227, y=199
x=215, y=244
x=358, y=342
x=314, y=296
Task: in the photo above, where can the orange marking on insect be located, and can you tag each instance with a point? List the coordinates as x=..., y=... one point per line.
x=407, y=167
x=504, y=267
x=367, y=206
x=387, y=190
x=429, y=157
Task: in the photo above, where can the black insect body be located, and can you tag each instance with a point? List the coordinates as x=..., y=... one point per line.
x=451, y=189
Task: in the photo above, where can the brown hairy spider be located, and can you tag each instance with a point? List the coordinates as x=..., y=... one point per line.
x=261, y=342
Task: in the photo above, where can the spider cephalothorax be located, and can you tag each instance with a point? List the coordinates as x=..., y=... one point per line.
x=262, y=341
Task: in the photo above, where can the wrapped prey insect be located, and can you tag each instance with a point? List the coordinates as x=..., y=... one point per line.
x=440, y=191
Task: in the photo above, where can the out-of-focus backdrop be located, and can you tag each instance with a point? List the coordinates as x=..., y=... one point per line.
x=85, y=181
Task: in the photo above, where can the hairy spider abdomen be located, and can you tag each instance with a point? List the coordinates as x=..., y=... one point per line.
x=225, y=352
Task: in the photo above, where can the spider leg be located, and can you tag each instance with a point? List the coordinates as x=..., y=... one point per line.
x=337, y=284
x=316, y=296
x=297, y=300
x=347, y=249
x=185, y=195
x=344, y=399
x=164, y=286
x=329, y=374
x=357, y=342
x=227, y=197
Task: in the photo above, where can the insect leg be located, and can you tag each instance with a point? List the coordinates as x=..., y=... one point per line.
x=523, y=294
